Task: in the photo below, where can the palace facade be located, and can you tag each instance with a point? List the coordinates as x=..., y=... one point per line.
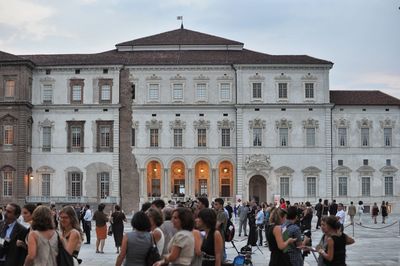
x=182, y=114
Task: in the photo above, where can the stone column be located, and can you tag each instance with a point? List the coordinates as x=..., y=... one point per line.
x=214, y=183
x=143, y=183
x=188, y=183
x=165, y=188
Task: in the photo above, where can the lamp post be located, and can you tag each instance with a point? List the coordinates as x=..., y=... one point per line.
x=29, y=174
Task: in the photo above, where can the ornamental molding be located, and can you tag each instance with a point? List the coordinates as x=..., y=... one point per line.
x=388, y=170
x=135, y=124
x=45, y=169
x=342, y=170
x=309, y=77
x=201, y=77
x=283, y=123
x=283, y=77
x=341, y=122
x=284, y=171
x=47, y=80
x=46, y=123
x=177, y=124
x=387, y=123
x=201, y=123
x=257, y=162
x=178, y=77
x=153, y=124
x=311, y=171
x=257, y=123
x=257, y=77
x=180, y=68
x=310, y=123
x=225, y=77
x=226, y=123
x=153, y=77
x=366, y=170
x=8, y=119
x=364, y=123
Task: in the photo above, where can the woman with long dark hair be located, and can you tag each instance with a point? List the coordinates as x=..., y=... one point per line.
x=70, y=230
x=212, y=243
x=117, y=225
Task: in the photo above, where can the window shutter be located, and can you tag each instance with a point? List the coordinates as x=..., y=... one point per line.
x=69, y=138
x=69, y=184
x=111, y=136
x=98, y=186
x=98, y=136
x=82, y=138
x=80, y=184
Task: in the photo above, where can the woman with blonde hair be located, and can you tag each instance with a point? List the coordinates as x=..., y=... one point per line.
x=275, y=239
x=71, y=231
x=43, y=239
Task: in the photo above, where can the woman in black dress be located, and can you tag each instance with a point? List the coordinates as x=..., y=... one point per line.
x=384, y=211
x=212, y=245
x=117, y=224
x=275, y=239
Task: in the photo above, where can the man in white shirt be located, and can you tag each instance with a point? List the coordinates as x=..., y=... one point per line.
x=87, y=223
x=341, y=215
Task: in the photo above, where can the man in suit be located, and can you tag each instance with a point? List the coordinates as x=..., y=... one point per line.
x=10, y=232
x=318, y=209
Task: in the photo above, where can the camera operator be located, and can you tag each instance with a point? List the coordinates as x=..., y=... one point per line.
x=291, y=230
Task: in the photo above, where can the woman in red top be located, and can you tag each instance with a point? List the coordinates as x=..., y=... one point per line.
x=282, y=204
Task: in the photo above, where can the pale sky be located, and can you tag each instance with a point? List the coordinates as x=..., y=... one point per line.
x=361, y=37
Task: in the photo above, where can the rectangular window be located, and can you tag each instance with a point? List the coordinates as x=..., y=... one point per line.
x=177, y=92
x=104, y=185
x=226, y=137
x=201, y=92
x=342, y=186
x=257, y=137
x=179, y=187
x=76, y=136
x=8, y=135
x=283, y=137
x=225, y=187
x=203, y=190
x=154, y=92
x=365, y=186
x=257, y=91
x=46, y=185
x=133, y=143
x=342, y=136
x=154, y=137
x=388, y=186
x=76, y=186
x=47, y=93
x=225, y=92
x=177, y=137
x=8, y=183
x=105, y=136
x=282, y=90
x=46, y=139
x=105, y=93
x=310, y=136
x=10, y=89
x=155, y=187
x=77, y=93
x=364, y=137
x=284, y=186
x=311, y=186
x=309, y=90
x=387, y=137
x=201, y=137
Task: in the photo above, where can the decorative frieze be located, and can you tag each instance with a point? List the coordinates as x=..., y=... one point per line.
x=364, y=123
x=201, y=123
x=177, y=124
x=226, y=123
x=257, y=123
x=153, y=124
x=257, y=162
x=310, y=123
x=283, y=123
x=387, y=123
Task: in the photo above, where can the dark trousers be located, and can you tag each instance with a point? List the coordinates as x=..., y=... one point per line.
x=87, y=228
x=260, y=234
x=319, y=221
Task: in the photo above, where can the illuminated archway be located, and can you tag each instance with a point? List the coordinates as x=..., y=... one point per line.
x=225, y=179
x=154, y=179
x=258, y=188
x=178, y=179
x=202, y=179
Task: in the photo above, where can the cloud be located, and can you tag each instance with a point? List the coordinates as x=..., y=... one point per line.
x=26, y=18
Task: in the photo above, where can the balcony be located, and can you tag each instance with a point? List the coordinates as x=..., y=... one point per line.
x=69, y=199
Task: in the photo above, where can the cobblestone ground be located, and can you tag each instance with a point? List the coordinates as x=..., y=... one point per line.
x=373, y=246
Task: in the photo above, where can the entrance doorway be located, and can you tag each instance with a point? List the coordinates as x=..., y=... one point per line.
x=258, y=188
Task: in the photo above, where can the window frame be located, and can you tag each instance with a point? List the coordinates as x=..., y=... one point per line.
x=364, y=188
x=75, y=186
x=156, y=88
x=102, y=138
x=202, y=139
x=47, y=87
x=280, y=137
x=174, y=87
x=257, y=136
x=311, y=189
x=104, y=184
x=388, y=186
x=8, y=176
x=282, y=186
x=306, y=97
x=278, y=86
x=6, y=87
x=154, y=137
x=45, y=184
x=256, y=91
x=387, y=138
x=177, y=137
x=229, y=90
x=342, y=186
x=46, y=147
x=76, y=124
x=225, y=137
x=201, y=99
x=345, y=136
x=365, y=137
x=314, y=134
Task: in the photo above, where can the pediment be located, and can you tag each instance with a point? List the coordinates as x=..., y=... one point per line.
x=225, y=77
x=365, y=169
x=388, y=169
x=201, y=77
x=47, y=169
x=387, y=123
x=283, y=77
x=257, y=123
x=311, y=170
x=8, y=119
x=226, y=123
x=364, y=123
x=284, y=171
x=46, y=123
x=283, y=123
x=178, y=77
x=153, y=77
x=342, y=122
x=309, y=77
x=257, y=77
x=310, y=123
x=201, y=123
x=153, y=123
x=342, y=170
x=177, y=123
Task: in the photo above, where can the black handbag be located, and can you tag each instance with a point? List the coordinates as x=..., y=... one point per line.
x=63, y=257
x=152, y=255
x=110, y=232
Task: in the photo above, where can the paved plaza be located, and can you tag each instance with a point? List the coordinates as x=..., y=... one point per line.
x=372, y=247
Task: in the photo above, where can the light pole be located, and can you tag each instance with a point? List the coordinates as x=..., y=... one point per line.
x=29, y=175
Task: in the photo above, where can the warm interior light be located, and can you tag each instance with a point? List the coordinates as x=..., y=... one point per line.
x=201, y=170
x=155, y=169
x=179, y=170
x=225, y=170
x=31, y=177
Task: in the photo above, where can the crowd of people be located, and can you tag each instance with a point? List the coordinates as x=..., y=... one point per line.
x=185, y=233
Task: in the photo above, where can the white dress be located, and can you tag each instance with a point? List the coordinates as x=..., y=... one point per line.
x=160, y=244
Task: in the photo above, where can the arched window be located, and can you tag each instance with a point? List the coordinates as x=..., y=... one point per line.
x=202, y=176
x=154, y=179
x=178, y=179
x=226, y=178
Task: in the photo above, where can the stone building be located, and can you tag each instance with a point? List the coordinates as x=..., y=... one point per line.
x=182, y=114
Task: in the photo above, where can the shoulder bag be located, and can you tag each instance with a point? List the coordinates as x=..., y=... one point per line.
x=63, y=257
x=152, y=255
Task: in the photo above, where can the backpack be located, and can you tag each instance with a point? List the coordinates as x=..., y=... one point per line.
x=229, y=231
